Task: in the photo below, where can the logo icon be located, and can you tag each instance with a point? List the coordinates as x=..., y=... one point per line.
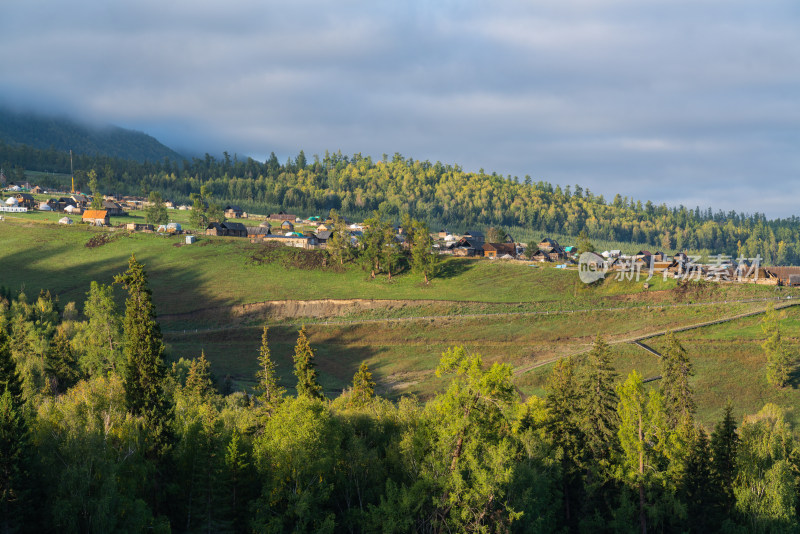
x=591, y=267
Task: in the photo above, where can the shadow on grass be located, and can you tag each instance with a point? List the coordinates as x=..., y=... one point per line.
x=235, y=352
x=794, y=377
x=451, y=268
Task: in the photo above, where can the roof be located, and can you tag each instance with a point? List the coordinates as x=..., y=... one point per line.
x=234, y=226
x=549, y=241
x=25, y=196
x=258, y=230
x=474, y=234
x=325, y=234
x=95, y=214
x=501, y=248
x=234, y=208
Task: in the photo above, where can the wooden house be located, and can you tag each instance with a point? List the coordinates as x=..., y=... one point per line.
x=229, y=229
x=113, y=208
x=26, y=200
x=496, y=250
x=282, y=216
x=540, y=255
x=80, y=200
x=37, y=190
x=234, y=212
x=258, y=230
x=548, y=245
x=287, y=226
x=475, y=237
x=96, y=217
x=467, y=247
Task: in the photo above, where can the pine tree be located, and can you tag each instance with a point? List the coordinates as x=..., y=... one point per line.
x=423, y=259
x=363, y=390
x=14, y=444
x=305, y=369
x=61, y=363
x=338, y=245
x=724, y=445
x=144, y=372
x=198, y=380
x=563, y=425
x=600, y=420
x=268, y=390
x=674, y=385
x=697, y=488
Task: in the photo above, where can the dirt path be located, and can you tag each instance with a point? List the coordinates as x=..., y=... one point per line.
x=637, y=340
x=329, y=311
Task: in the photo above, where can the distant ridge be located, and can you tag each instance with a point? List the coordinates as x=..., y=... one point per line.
x=44, y=132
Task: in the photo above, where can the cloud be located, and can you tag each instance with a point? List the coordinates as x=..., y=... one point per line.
x=618, y=95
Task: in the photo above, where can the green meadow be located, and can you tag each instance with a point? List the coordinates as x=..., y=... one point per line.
x=520, y=313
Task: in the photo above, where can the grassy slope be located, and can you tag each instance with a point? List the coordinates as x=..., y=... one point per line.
x=219, y=272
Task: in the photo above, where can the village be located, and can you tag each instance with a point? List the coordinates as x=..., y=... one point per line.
x=313, y=233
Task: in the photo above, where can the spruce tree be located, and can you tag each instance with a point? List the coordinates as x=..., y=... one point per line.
x=198, y=380
x=14, y=444
x=676, y=392
x=268, y=390
x=563, y=425
x=61, y=363
x=144, y=373
x=305, y=369
x=423, y=259
x=696, y=488
x=600, y=420
x=363, y=390
x=724, y=447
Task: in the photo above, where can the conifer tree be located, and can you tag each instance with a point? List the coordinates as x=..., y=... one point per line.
x=423, y=259
x=696, y=486
x=268, y=390
x=363, y=390
x=600, y=420
x=198, y=380
x=563, y=425
x=724, y=446
x=14, y=444
x=338, y=245
x=144, y=372
x=61, y=363
x=676, y=392
x=305, y=369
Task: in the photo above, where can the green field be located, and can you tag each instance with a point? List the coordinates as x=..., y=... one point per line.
x=207, y=296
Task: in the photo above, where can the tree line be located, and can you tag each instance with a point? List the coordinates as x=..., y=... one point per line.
x=100, y=433
x=439, y=194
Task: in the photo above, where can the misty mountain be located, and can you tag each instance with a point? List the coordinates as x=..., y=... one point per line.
x=43, y=132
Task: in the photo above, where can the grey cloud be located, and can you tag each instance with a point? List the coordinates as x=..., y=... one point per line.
x=618, y=95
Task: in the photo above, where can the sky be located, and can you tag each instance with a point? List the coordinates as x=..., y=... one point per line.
x=692, y=102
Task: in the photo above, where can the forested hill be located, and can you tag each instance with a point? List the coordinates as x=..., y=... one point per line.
x=441, y=195
x=63, y=134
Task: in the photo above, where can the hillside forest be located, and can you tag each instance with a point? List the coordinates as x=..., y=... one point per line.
x=98, y=433
x=438, y=194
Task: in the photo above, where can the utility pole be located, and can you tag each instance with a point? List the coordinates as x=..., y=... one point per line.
x=71, y=172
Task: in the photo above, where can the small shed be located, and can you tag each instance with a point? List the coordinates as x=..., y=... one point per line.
x=113, y=208
x=287, y=226
x=97, y=217
x=234, y=212
x=189, y=239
